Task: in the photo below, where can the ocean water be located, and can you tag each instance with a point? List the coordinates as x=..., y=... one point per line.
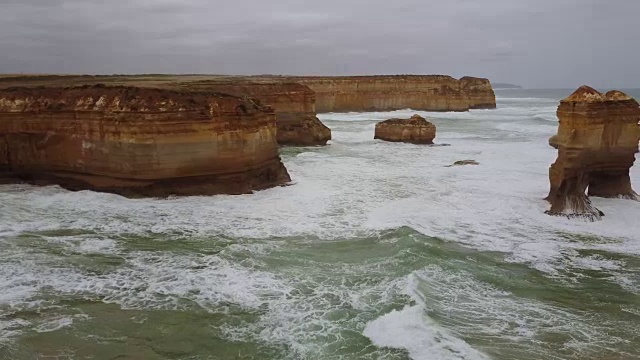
x=377, y=251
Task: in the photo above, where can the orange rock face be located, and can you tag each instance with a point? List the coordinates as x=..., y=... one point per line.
x=294, y=105
x=138, y=142
x=382, y=93
x=415, y=130
x=597, y=140
x=479, y=92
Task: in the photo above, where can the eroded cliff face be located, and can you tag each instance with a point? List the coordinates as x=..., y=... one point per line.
x=383, y=93
x=138, y=142
x=479, y=92
x=597, y=140
x=294, y=105
x=415, y=130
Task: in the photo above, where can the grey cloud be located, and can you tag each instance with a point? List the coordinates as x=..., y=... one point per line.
x=537, y=43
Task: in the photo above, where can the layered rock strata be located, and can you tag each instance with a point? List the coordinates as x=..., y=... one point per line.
x=293, y=97
x=597, y=140
x=138, y=142
x=479, y=92
x=415, y=130
x=294, y=105
x=384, y=93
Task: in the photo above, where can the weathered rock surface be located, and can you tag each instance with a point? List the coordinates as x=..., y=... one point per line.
x=383, y=93
x=479, y=92
x=138, y=142
x=415, y=130
x=305, y=131
x=597, y=140
x=294, y=105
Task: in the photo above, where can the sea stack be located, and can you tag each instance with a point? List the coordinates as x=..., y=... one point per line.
x=294, y=106
x=597, y=141
x=479, y=92
x=415, y=130
x=138, y=141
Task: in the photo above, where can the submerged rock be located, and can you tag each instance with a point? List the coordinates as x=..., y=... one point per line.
x=415, y=130
x=464, y=162
x=597, y=140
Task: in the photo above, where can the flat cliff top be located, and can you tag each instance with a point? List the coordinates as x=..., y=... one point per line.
x=168, y=80
x=114, y=98
x=384, y=78
x=151, y=80
x=217, y=84
x=246, y=85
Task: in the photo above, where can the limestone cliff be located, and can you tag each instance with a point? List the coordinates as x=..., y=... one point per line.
x=597, y=140
x=294, y=105
x=479, y=92
x=415, y=130
x=383, y=93
x=138, y=142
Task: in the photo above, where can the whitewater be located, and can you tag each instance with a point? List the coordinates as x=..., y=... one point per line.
x=375, y=251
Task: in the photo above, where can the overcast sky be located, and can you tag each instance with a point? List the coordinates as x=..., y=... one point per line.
x=535, y=43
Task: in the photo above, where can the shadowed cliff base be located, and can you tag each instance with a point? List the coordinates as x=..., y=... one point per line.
x=138, y=141
x=597, y=140
x=264, y=177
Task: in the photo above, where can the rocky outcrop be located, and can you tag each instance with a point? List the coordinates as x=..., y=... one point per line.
x=415, y=130
x=479, y=92
x=138, y=142
x=294, y=105
x=597, y=140
x=305, y=131
x=384, y=93
x=464, y=162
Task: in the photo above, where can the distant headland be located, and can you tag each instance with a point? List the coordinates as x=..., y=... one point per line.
x=505, y=86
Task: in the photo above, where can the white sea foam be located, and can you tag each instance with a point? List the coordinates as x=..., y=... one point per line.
x=486, y=316
x=412, y=330
x=527, y=100
x=10, y=329
x=54, y=324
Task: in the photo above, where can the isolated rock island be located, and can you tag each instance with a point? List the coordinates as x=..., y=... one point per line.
x=137, y=141
x=415, y=130
x=597, y=140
